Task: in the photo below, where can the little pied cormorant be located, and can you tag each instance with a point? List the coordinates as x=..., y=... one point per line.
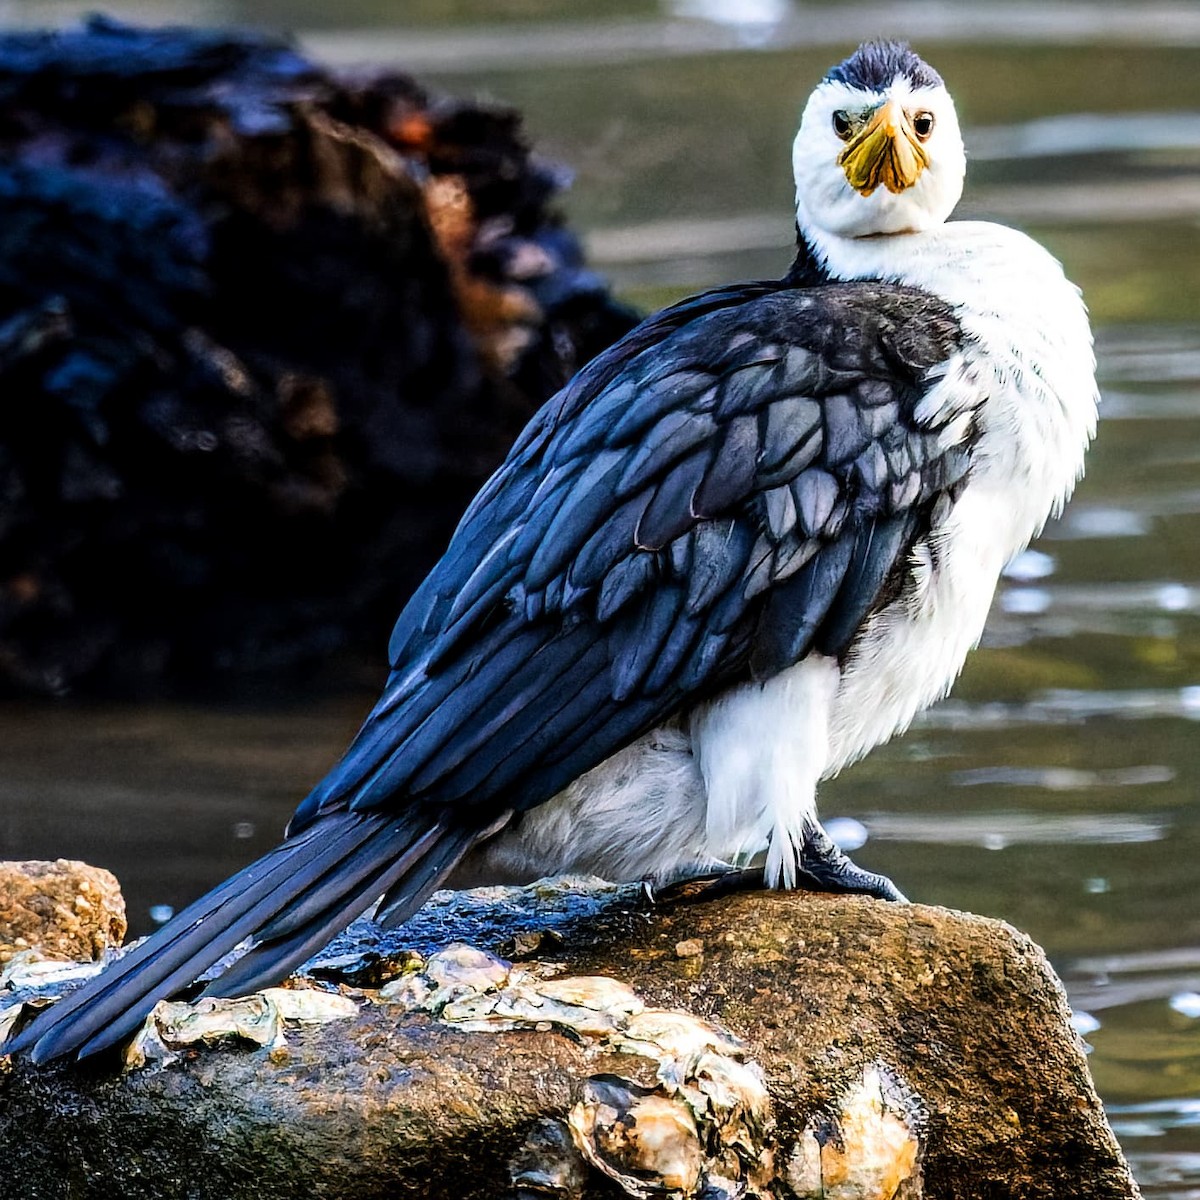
x=746, y=544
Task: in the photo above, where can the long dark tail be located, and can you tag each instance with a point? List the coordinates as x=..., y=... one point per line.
x=291, y=901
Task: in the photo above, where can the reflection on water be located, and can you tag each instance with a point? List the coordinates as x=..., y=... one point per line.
x=1088, y=133
x=1062, y=706
x=1000, y=830
x=1056, y=789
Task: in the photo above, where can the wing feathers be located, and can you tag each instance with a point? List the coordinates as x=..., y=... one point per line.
x=616, y=538
x=845, y=434
x=794, y=610
x=550, y=665
x=676, y=434
x=571, y=707
x=581, y=510
x=876, y=550
x=746, y=388
x=631, y=575
x=671, y=510
x=721, y=551
x=815, y=492
x=637, y=643
x=730, y=478
x=789, y=422
x=735, y=483
x=389, y=749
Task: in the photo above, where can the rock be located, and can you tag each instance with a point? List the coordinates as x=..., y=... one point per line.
x=819, y=1046
x=62, y=909
x=264, y=331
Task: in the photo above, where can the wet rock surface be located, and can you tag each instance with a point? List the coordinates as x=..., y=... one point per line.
x=63, y=909
x=906, y=1052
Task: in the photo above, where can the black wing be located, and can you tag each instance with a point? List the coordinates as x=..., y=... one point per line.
x=736, y=483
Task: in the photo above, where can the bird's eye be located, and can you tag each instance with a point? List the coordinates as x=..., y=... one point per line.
x=841, y=125
x=923, y=125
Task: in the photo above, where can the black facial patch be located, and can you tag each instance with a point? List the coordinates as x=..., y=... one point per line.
x=874, y=65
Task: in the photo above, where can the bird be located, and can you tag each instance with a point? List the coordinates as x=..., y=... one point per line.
x=743, y=546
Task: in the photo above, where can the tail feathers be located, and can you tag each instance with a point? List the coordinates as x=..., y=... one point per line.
x=441, y=850
x=151, y=968
x=378, y=852
x=403, y=898
x=407, y=895
x=389, y=854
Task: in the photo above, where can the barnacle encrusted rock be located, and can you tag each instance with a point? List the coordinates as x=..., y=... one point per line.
x=904, y=1051
x=703, y=1126
x=866, y=1147
x=63, y=909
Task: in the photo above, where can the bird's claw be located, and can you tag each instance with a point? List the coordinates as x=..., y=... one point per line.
x=822, y=864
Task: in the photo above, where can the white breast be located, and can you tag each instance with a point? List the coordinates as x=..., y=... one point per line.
x=1030, y=371
x=912, y=651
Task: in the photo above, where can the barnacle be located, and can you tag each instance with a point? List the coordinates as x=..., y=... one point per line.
x=174, y=1025
x=867, y=1148
x=646, y=1141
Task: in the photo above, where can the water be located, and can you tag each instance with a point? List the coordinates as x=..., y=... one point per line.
x=1056, y=788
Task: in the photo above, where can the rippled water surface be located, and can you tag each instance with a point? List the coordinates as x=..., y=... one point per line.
x=1056, y=788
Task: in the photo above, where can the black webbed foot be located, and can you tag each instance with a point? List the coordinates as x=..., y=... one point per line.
x=822, y=865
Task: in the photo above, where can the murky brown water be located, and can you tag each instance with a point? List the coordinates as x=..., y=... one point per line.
x=1057, y=787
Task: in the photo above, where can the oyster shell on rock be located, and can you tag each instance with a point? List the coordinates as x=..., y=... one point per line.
x=867, y=1148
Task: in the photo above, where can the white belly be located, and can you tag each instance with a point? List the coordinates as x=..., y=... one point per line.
x=638, y=815
x=911, y=652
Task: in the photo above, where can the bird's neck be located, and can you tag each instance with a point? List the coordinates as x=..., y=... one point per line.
x=985, y=271
x=806, y=270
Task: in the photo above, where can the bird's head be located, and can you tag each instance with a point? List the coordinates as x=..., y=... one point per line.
x=879, y=149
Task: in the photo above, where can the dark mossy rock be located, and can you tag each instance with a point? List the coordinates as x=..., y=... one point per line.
x=263, y=332
x=907, y=1051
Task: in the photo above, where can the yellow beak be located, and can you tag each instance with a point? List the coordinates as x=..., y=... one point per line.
x=884, y=151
